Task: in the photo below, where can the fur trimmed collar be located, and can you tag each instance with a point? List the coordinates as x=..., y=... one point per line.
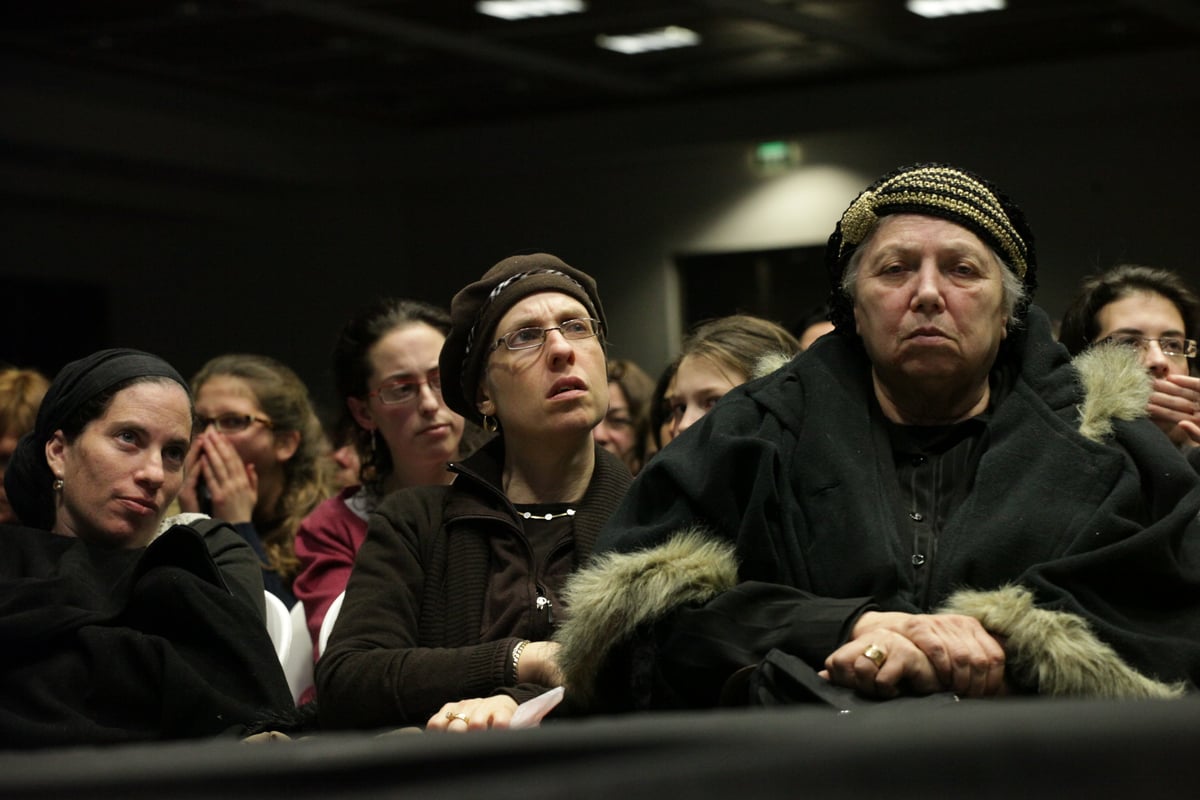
x=1115, y=386
x=618, y=592
x=1054, y=652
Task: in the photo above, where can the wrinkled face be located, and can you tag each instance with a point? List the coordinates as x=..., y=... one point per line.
x=421, y=431
x=929, y=302
x=560, y=387
x=8, y=446
x=124, y=468
x=1146, y=315
x=616, y=433
x=258, y=444
x=697, y=386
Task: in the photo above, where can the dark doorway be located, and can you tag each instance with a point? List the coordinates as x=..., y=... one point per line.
x=782, y=285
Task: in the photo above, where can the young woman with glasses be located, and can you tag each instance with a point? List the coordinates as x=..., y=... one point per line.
x=454, y=597
x=385, y=366
x=259, y=458
x=1155, y=312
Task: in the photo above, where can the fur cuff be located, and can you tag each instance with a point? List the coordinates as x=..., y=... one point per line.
x=1116, y=386
x=1055, y=652
x=617, y=592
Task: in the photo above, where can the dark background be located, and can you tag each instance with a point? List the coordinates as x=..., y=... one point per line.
x=203, y=210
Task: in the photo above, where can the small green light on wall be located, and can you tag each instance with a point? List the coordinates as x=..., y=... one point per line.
x=772, y=158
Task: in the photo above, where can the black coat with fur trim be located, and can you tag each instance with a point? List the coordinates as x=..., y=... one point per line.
x=772, y=524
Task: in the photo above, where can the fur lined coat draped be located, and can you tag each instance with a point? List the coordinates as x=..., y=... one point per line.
x=772, y=524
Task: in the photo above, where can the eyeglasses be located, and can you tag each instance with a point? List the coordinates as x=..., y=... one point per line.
x=1171, y=346
x=231, y=423
x=529, y=338
x=405, y=390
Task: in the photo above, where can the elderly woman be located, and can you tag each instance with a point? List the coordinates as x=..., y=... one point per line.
x=455, y=593
x=1154, y=312
x=174, y=622
x=929, y=500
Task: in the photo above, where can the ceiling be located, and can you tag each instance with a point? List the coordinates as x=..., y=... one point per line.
x=424, y=65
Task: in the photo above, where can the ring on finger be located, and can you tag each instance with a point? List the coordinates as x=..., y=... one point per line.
x=455, y=715
x=876, y=654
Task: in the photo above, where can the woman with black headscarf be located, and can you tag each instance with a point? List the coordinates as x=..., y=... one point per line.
x=93, y=600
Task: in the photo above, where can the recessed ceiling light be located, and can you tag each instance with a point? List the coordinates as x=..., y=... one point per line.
x=525, y=9
x=932, y=9
x=647, y=41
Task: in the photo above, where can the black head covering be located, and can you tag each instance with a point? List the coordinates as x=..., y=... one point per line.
x=28, y=480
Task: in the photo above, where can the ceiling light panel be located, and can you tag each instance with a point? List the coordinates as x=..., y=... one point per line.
x=668, y=38
x=528, y=9
x=934, y=9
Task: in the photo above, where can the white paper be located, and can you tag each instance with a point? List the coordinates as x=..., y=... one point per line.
x=529, y=714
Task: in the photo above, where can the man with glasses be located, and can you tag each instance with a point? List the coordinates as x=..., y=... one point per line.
x=1155, y=312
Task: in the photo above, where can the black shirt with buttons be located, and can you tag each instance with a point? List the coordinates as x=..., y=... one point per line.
x=935, y=468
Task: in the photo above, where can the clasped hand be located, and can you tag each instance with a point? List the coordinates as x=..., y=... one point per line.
x=1175, y=408
x=921, y=654
x=232, y=484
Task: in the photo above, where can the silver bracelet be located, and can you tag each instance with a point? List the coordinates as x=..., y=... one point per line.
x=520, y=648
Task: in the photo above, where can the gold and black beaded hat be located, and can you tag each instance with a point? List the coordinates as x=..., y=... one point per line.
x=935, y=190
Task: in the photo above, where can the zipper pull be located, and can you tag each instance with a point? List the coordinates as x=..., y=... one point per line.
x=543, y=604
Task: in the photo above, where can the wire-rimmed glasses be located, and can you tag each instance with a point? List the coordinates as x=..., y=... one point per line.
x=231, y=423
x=1171, y=346
x=405, y=390
x=529, y=338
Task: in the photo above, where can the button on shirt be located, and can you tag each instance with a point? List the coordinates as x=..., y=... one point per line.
x=935, y=469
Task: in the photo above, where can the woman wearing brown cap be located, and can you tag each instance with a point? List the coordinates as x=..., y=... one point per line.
x=455, y=594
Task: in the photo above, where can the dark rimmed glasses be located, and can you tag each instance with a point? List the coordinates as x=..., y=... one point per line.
x=405, y=390
x=231, y=423
x=1171, y=346
x=529, y=338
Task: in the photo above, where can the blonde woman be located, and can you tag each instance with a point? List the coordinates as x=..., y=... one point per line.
x=259, y=458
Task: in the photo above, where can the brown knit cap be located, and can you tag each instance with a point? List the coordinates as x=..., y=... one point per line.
x=476, y=310
x=934, y=190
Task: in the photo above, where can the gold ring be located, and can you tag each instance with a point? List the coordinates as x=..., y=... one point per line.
x=877, y=654
x=454, y=715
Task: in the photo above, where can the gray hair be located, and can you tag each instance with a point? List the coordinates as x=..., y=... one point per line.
x=1013, y=287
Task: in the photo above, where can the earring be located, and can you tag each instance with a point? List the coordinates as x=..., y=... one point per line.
x=490, y=424
x=57, y=485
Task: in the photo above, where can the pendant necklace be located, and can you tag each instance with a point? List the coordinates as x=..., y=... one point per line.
x=570, y=512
